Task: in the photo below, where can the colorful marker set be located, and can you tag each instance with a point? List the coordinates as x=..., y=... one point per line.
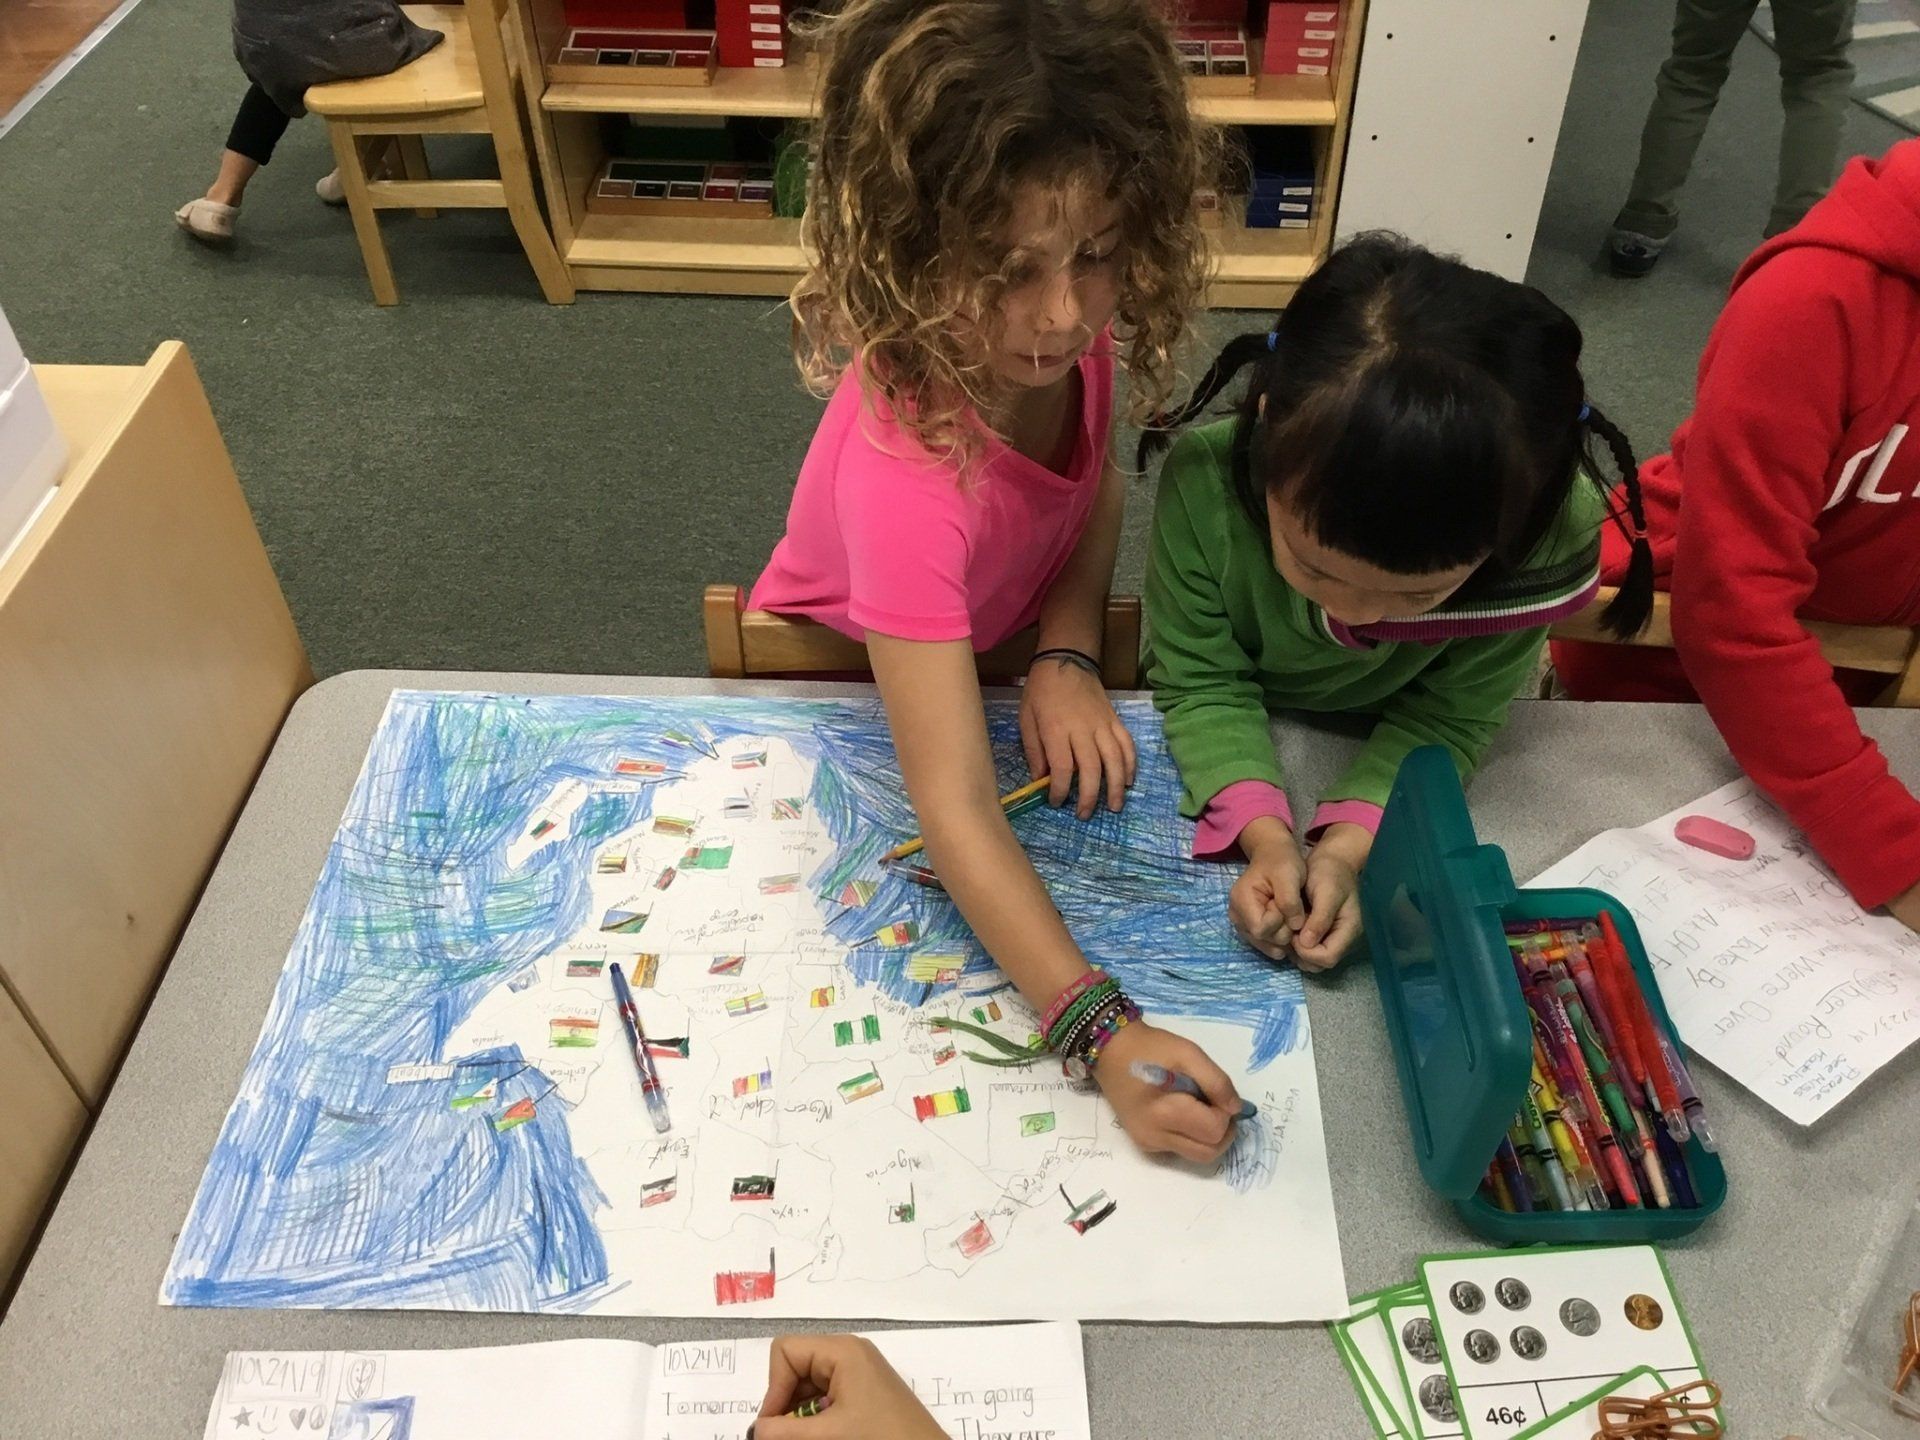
x=1610, y=1107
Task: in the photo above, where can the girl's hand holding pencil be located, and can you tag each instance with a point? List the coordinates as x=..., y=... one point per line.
x=838, y=1387
x=1162, y=1121
x=1070, y=730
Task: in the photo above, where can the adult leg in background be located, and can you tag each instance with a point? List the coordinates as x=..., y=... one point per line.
x=1705, y=34
x=257, y=128
x=1816, y=81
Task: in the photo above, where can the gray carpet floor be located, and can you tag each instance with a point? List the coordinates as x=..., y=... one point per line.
x=477, y=480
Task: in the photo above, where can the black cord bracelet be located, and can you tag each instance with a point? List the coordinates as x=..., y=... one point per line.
x=1067, y=656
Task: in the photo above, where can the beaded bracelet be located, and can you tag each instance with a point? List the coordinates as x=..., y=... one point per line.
x=1102, y=1038
x=1067, y=1040
x=1082, y=1016
x=1097, y=1026
x=1061, y=1002
x=1077, y=1020
x=1067, y=655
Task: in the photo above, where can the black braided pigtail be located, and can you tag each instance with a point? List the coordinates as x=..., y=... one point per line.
x=1241, y=351
x=1627, y=613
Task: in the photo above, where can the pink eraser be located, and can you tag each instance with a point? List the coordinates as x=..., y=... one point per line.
x=1716, y=837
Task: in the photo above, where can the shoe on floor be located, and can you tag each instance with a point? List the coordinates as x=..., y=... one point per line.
x=1631, y=255
x=329, y=188
x=207, y=220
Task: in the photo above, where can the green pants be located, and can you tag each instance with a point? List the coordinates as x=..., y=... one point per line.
x=1816, y=78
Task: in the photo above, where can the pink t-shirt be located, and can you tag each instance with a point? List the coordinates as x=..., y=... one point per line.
x=882, y=537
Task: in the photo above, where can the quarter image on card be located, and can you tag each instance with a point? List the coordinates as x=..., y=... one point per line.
x=1416, y=1347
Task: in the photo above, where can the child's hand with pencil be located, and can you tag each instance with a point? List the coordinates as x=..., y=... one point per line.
x=1165, y=1121
x=1069, y=729
x=838, y=1387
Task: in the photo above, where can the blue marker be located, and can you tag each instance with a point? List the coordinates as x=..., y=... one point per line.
x=650, y=1085
x=1173, y=1081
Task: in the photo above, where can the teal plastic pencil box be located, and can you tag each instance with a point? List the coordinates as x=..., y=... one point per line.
x=1435, y=903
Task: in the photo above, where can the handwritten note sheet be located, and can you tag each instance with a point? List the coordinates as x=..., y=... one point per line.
x=1770, y=969
x=1025, y=1381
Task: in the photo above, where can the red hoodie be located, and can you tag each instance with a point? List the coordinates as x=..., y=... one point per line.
x=1793, y=490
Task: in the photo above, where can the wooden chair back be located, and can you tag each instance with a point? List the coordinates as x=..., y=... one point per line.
x=1877, y=649
x=743, y=643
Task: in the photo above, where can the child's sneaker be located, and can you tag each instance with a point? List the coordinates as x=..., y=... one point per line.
x=330, y=189
x=1633, y=255
x=207, y=220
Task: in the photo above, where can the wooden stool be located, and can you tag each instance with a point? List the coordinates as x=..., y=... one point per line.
x=465, y=85
x=1891, y=650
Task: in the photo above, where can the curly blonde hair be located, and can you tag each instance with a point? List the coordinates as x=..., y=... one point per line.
x=933, y=114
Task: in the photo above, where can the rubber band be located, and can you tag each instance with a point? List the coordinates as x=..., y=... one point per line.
x=1686, y=1412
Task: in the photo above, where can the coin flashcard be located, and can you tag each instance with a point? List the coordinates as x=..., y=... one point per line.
x=1416, y=1346
x=1380, y=1416
x=1367, y=1349
x=1524, y=1334
x=1581, y=1420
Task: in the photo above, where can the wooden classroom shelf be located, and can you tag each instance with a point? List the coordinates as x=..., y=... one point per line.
x=788, y=92
x=1249, y=254
x=1279, y=100
x=678, y=255
x=785, y=93
x=1257, y=269
x=149, y=660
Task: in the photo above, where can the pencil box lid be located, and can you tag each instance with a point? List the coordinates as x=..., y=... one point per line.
x=1431, y=898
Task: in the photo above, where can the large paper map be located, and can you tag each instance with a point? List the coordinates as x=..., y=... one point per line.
x=442, y=1112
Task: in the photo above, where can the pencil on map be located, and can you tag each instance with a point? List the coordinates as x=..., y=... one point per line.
x=1013, y=802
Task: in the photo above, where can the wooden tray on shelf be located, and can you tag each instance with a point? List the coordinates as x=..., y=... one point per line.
x=597, y=55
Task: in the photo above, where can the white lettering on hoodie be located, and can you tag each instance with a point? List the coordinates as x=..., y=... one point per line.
x=1869, y=491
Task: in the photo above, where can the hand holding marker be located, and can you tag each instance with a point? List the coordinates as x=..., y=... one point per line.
x=1175, y=1083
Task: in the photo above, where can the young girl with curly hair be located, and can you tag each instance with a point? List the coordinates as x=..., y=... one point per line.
x=1001, y=216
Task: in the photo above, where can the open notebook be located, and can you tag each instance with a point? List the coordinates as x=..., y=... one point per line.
x=1010, y=1380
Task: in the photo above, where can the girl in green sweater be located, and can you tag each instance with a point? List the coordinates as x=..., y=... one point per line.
x=1402, y=502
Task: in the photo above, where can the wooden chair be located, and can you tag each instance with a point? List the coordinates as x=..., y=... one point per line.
x=1877, y=649
x=743, y=642
x=466, y=85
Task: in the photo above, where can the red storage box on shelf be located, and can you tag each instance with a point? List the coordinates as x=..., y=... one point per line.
x=1288, y=17
x=1216, y=58
x=753, y=33
x=1301, y=39
x=1303, y=60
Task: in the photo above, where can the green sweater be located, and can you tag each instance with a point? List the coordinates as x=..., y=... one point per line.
x=1230, y=640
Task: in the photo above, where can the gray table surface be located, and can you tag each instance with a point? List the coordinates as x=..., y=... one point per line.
x=85, y=1350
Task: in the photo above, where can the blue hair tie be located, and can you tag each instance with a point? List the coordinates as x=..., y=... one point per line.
x=1585, y=412
x=1273, y=341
